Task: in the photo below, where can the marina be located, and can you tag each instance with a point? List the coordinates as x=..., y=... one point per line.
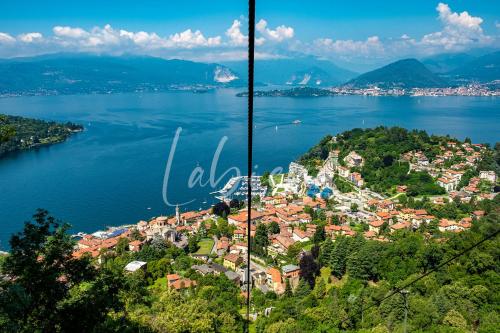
x=237, y=187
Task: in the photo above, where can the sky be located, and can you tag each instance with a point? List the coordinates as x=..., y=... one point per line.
x=351, y=33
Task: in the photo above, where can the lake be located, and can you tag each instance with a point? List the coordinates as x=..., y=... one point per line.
x=113, y=172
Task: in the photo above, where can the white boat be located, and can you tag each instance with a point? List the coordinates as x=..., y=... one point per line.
x=296, y=121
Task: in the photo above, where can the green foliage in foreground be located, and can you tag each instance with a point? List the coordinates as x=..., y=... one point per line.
x=17, y=133
x=460, y=297
x=46, y=290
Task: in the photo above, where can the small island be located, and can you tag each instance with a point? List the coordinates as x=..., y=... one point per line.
x=19, y=133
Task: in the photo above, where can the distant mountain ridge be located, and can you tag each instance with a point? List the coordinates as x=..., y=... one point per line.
x=446, y=62
x=301, y=71
x=77, y=73
x=90, y=73
x=406, y=73
x=482, y=69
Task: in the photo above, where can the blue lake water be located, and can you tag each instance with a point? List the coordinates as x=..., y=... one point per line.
x=114, y=171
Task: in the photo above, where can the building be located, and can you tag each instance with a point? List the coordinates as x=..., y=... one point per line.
x=274, y=280
x=182, y=283
x=242, y=217
x=135, y=265
x=447, y=183
x=212, y=268
x=343, y=171
x=353, y=159
x=171, y=278
x=300, y=236
x=135, y=246
x=233, y=276
x=356, y=179
x=163, y=227
x=232, y=261
x=489, y=176
x=291, y=271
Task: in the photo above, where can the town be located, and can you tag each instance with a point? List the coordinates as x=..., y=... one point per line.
x=303, y=208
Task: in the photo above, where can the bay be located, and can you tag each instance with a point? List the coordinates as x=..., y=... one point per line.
x=113, y=172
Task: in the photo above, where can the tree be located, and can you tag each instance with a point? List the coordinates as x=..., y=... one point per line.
x=136, y=235
x=362, y=264
x=326, y=251
x=193, y=244
x=319, y=235
x=339, y=257
x=308, y=269
x=354, y=207
x=274, y=228
x=202, y=230
x=262, y=238
x=122, y=246
x=293, y=251
x=39, y=299
x=235, y=203
x=221, y=209
x=454, y=319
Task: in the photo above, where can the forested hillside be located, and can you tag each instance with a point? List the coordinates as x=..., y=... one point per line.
x=18, y=133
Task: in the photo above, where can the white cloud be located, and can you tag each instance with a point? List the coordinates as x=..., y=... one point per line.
x=30, y=37
x=69, y=32
x=6, y=38
x=236, y=37
x=279, y=34
x=372, y=45
x=189, y=39
x=460, y=30
x=106, y=39
x=463, y=20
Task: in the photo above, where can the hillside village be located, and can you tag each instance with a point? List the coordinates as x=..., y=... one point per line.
x=300, y=210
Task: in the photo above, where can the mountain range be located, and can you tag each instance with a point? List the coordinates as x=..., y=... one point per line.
x=406, y=73
x=82, y=73
x=88, y=73
x=300, y=71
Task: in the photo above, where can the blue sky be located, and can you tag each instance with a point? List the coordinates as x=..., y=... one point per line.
x=368, y=32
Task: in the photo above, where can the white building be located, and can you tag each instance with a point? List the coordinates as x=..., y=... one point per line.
x=354, y=159
x=135, y=265
x=489, y=176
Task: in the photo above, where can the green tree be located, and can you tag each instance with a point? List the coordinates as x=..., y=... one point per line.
x=454, y=319
x=262, y=238
x=193, y=244
x=38, y=299
x=122, y=246
x=274, y=228
x=319, y=235
x=309, y=269
x=339, y=257
x=326, y=252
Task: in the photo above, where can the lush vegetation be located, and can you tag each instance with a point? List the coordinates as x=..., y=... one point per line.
x=381, y=148
x=357, y=274
x=45, y=289
x=17, y=133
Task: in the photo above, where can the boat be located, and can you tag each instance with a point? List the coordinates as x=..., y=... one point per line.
x=296, y=121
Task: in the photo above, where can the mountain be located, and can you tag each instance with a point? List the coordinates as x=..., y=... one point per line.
x=406, y=73
x=482, y=69
x=446, y=62
x=83, y=73
x=297, y=71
